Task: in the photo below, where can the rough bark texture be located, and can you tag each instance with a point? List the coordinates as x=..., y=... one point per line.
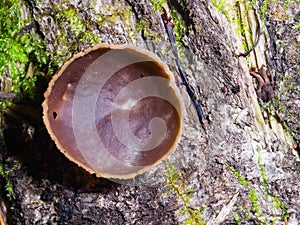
x=48, y=189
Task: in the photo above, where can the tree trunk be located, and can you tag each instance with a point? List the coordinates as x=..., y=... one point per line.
x=240, y=131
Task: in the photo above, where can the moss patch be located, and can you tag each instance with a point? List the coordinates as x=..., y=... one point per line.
x=20, y=45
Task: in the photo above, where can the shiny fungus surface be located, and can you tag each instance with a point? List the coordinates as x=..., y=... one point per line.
x=114, y=110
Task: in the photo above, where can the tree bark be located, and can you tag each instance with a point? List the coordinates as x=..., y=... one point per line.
x=49, y=189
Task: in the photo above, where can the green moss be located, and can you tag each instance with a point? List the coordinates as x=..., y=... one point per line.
x=72, y=32
x=109, y=19
x=286, y=4
x=281, y=107
x=243, y=29
x=126, y=16
x=223, y=7
x=5, y=175
x=275, y=106
x=263, y=10
x=158, y=4
x=23, y=55
x=241, y=21
x=236, y=218
x=71, y=15
x=228, y=7
x=297, y=25
x=256, y=213
x=262, y=171
x=179, y=27
x=118, y=11
x=91, y=38
x=143, y=26
x=277, y=203
x=176, y=186
x=19, y=45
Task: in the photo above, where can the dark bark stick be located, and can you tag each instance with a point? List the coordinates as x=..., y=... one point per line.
x=190, y=90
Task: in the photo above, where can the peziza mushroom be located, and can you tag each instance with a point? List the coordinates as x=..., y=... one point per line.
x=114, y=110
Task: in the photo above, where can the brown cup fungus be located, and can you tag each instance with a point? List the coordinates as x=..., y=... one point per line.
x=114, y=110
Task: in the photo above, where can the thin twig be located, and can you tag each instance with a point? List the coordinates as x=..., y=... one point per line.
x=254, y=46
x=190, y=90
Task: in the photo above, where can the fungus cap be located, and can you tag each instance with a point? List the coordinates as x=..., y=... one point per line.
x=114, y=110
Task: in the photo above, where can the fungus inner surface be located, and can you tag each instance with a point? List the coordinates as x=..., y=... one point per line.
x=63, y=94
